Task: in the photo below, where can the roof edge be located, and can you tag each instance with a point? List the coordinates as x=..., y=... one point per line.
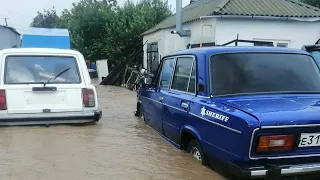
x=12, y=29
x=293, y=18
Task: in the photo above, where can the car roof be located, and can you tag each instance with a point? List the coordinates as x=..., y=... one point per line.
x=235, y=49
x=39, y=50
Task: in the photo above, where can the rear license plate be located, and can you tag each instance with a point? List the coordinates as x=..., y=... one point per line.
x=309, y=140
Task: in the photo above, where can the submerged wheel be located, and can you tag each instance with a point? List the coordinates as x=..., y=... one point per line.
x=142, y=117
x=195, y=150
x=138, y=112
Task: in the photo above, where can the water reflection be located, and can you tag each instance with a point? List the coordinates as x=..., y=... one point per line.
x=120, y=146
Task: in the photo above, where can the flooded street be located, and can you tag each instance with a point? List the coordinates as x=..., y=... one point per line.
x=119, y=146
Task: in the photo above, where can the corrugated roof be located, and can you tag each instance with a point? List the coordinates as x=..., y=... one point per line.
x=271, y=8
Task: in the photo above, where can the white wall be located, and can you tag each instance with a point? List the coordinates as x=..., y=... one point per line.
x=8, y=38
x=296, y=33
x=153, y=37
x=168, y=42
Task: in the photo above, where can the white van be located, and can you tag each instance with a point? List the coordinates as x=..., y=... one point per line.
x=45, y=86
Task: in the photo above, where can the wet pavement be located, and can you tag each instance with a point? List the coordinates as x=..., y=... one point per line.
x=119, y=147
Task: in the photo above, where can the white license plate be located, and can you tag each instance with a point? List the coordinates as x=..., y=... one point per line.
x=309, y=140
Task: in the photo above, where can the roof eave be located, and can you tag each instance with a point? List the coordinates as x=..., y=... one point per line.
x=294, y=18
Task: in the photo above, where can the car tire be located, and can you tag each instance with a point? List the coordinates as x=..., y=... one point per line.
x=143, y=118
x=196, y=151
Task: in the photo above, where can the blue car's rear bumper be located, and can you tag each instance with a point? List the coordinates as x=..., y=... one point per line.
x=275, y=172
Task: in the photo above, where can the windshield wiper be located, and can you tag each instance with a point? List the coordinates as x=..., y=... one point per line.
x=44, y=83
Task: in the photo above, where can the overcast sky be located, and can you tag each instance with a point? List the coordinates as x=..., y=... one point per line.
x=22, y=12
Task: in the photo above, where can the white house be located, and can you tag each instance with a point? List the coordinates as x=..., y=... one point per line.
x=285, y=23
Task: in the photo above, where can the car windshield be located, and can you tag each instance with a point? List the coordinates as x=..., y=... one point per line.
x=255, y=73
x=38, y=69
x=316, y=56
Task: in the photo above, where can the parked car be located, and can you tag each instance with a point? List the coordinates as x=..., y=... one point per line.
x=254, y=109
x=46, y=86
x=314, y=50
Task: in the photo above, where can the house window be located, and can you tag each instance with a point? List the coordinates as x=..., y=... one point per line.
x=263, y=44
x=275, y=42
x=208, y=44
x=152, y=56
x=284, y=45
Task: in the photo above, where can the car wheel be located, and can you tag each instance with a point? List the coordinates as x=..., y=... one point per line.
x=195, y=150
x=143, y=118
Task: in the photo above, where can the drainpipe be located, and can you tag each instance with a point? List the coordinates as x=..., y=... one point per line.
x=179, y=30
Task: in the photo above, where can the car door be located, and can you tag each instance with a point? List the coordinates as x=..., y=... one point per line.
x=177, y=99
x=152, y=106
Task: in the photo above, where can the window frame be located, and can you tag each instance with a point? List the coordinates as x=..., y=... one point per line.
x=175, y=57
x=160, y=74
x=54, y=83
x=192, y=65
x=210, y=70
x=282, y=43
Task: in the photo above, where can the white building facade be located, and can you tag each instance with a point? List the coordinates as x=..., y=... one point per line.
x=291, y=32
x=9, y=38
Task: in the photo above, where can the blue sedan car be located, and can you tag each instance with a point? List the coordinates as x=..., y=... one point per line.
x=255, y=110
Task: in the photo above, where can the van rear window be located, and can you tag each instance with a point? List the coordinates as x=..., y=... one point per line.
x=40, y=69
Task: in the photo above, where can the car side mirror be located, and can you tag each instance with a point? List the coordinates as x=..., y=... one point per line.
x=147, y=82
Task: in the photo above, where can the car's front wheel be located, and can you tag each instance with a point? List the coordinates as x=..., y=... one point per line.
x=195, y=150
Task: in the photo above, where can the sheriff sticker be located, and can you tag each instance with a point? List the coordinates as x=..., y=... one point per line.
x=206, y=112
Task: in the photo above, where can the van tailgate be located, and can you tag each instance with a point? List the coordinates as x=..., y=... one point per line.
x=25, y=100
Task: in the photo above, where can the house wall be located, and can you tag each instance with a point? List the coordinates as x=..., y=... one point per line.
x=8, y=38
x=295, y=33
x=168, y=42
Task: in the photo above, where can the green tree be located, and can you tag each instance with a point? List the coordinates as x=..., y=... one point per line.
x=124, y=36
x=104, y=30
x=315, y=3
x=86, y=22
x=47, y=19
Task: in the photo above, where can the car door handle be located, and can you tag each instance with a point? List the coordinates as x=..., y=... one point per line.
x=160, y=99
x=184, y=105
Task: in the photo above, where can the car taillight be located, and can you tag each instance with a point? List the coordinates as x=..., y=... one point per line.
x=3, y=100
x=88, y=98
x=275, y=143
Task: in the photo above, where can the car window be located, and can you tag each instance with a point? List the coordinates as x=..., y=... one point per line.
x=37, y=69
x=182, y=73
x=167, y=69
x=263, y=73
x=316, y=56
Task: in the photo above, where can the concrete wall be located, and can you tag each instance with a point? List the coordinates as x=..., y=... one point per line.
x=295, y=33
x=8, y=38
x=168, y=42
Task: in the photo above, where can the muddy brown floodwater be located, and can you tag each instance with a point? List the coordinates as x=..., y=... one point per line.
x=119, y=147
